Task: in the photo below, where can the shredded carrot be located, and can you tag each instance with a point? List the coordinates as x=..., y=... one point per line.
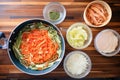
x=37, y=46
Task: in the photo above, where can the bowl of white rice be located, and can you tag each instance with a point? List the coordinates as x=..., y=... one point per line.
x=77, y=64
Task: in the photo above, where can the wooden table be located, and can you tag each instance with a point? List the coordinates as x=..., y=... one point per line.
x=12, y=12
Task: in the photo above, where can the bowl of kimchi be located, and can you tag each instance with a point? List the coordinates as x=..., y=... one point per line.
x=36, y=47
x=97, y=14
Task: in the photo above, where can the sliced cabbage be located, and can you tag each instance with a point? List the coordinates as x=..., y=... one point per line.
x=77, y=36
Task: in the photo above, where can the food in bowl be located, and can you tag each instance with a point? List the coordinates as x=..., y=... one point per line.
x=54, y=12
x=97, y=14
x=107, y=42
x=77, y=64
x=37, y=46
x=54, y=15
x=79, y=35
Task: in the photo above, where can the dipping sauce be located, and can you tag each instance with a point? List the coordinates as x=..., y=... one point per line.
x=77, y=35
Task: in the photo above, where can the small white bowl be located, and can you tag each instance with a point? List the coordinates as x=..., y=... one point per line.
x=87, y=29
x=83, y=74
x=57, y=7
x=111, y=53
x=103, y=3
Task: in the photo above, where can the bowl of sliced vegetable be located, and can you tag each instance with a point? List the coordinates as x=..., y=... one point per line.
x=36, y=46
x=77, y=64
x=79, y=35
x=97, y=13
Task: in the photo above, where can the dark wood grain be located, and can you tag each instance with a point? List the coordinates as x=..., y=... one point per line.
x=13, y=12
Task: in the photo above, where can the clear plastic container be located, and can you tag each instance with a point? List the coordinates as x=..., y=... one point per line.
x=57, y=8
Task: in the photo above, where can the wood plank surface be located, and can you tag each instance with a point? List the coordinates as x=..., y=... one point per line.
x=13, y=12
